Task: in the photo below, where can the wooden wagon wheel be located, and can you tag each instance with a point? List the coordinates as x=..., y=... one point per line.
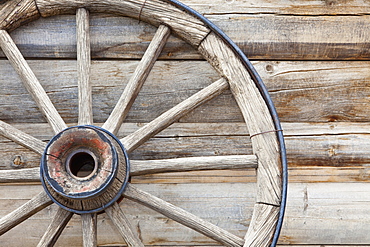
x=74, y=149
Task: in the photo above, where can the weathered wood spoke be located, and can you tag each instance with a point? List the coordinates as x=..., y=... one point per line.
x=21, y=138
x=20, y=175
x=133, y=87
x=85, y=115
x=133, y=140
x=119, y=219
x=182, y=216
x=141, y=167
x=89, y=230
x=57, y=225
x=28, y=209
x=31, y=82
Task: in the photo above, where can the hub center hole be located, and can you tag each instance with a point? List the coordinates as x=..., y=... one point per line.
x=82, y=164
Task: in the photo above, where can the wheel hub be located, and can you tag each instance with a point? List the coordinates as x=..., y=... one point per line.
x=84, y=169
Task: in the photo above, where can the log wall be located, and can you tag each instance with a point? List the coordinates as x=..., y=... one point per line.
x=314, y=57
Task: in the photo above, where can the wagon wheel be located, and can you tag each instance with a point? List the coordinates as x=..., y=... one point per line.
x=105, y=157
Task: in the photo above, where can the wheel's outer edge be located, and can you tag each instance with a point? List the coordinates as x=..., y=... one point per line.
x=28, y=10
x=264, y=92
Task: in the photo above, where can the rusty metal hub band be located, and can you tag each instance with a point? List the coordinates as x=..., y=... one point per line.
x=84, y=169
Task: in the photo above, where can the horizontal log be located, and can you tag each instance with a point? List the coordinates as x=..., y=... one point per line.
x=183, y=217
x=321, y=214
x=283, y=7
x=298, y=37
x=304, y=174
x=156, y=12
x=338, y=145
x=317, y=152
x=109, y=86
x=178, y=130
x=301, y=91
x=336, y=151
x=260, y=36
x=321, y=204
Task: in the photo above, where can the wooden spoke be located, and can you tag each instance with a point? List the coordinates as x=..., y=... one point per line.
x=183, y=217
x=119, y=219
x=85, y=115
x=28, y=209
x=89, y=230
x=21, y=138
x=30, y=82
x=133, y=140
x=133, y=87
x=141, y=167
x=57, y=225
x=20, y=175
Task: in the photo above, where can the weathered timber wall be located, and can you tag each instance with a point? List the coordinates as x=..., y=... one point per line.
x=313, y=57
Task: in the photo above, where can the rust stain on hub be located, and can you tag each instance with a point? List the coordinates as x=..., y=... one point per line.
x=81, y=164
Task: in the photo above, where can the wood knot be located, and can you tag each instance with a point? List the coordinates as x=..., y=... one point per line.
x=269, y=68
x=364, y=175
x=18, y=161
x=330, y=2
x=332, y=152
